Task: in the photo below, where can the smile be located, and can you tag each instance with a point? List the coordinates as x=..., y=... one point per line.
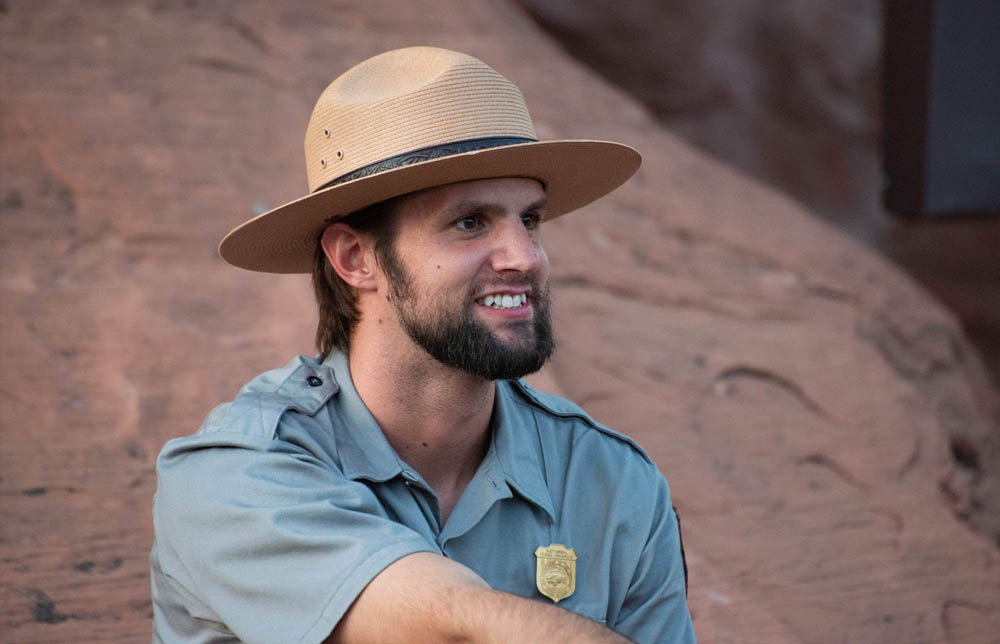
x=504, y=300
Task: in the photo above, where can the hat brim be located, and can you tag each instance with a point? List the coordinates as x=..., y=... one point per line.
x=575, y=173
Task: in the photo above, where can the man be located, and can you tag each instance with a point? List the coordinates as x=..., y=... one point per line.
x=406, y=486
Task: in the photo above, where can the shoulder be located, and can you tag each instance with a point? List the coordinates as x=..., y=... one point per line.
x=251, y=420
x=241, y=441
x=303, y=385
x=566, y=414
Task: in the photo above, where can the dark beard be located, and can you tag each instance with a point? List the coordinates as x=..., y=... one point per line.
x=463, y=342
x=460, y=340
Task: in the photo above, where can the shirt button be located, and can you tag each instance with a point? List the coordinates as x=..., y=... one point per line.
x=314, y=381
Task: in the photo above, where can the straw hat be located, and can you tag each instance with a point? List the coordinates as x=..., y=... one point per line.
x=411, y=119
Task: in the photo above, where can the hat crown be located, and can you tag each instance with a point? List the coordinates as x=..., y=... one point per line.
x=407, y=100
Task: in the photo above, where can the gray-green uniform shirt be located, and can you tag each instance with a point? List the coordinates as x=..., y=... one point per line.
x=289, y=500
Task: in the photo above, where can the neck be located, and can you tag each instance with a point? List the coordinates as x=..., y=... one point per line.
x=435, y=417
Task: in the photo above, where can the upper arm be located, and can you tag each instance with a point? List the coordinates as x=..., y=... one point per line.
x=655, y=607
x=274, y=544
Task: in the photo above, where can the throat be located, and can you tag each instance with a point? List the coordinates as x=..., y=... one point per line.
x=448, y=499
x=448, y=466
x=437, y=419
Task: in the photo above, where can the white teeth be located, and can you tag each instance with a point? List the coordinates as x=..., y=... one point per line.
x=505, y=301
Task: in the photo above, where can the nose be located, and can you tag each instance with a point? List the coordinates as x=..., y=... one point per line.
x=517, y=248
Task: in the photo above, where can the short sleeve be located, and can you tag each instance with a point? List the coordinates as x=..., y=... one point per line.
x=655, y=608
x=273, y=542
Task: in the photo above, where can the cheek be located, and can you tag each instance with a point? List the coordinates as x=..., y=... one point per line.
x=458, y=265
x=442, y=278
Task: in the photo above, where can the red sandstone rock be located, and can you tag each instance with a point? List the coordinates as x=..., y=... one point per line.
x=802, y=396
x=790, y=93
x=787, y=91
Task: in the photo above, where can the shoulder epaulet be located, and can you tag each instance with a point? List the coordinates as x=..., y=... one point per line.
x=562, y=408
x=303, y=385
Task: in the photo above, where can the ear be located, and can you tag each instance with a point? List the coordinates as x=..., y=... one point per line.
x=351, y=256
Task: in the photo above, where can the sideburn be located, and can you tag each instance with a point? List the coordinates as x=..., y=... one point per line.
x=336, y=299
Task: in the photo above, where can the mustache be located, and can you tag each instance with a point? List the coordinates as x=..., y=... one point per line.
x=531, y=280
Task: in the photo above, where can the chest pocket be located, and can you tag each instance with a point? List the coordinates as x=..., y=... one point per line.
x=501, y=547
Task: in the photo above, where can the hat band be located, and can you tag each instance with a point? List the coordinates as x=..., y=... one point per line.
x=426, y=154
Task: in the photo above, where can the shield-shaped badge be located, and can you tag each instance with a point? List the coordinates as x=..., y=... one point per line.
x=555, y=571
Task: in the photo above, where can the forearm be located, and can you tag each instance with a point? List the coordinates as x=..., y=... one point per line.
x=427, y=598
x=494, y=617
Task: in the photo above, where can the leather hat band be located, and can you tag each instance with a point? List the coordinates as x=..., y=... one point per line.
x=426, y=154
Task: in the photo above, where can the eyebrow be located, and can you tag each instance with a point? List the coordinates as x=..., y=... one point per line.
x=492, y=207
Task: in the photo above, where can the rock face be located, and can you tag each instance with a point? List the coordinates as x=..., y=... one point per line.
x=822, y=421
x=790, y=93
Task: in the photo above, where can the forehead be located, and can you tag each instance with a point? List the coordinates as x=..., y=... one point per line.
x=509, y=194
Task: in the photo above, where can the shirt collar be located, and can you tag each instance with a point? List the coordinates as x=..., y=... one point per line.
x=518, y=447
x=364, y=451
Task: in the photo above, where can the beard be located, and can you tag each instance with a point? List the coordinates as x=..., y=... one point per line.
x=456, y=337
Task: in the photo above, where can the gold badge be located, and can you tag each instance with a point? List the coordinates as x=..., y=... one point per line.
x=555, y=571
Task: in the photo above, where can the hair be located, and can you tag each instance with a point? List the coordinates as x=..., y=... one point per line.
x=337, y=300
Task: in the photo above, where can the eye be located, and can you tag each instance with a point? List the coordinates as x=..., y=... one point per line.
x=531, y=220
x=468, y=224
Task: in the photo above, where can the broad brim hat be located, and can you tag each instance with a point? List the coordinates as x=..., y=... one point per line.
x=412, y=119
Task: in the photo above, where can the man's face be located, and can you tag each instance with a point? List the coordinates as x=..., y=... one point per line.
x=468, y=277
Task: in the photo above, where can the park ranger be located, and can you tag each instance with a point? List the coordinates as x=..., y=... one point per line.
x=405, y=485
